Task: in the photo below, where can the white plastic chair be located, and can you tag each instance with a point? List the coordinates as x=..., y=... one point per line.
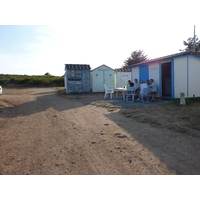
x=130, y=95
x=108, y=91
x=145, y=95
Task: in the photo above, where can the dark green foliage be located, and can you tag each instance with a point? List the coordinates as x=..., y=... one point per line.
x=189, y=44
x=31, y=81
x=47, y=74
x=136, y=57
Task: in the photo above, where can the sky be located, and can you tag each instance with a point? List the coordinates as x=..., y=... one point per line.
x=37, y=37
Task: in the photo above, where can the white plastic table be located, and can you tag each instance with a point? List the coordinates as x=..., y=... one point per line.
x=123, y=90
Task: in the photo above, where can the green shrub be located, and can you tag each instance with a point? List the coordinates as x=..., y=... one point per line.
x=31, y=81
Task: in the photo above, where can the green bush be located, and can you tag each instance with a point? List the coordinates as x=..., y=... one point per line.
x=31, y=81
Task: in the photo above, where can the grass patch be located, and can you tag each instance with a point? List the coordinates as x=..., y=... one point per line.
x=17, y=91
x=155, y=122
x=62, y=92
x=141, y=118
x=173, y=116
x=195, y=125
x=178, y=128
x=109, y=106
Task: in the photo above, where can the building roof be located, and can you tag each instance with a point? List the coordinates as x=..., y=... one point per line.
x=76, y=66
x=123, y=69
x=102, y=66
x=166, y=57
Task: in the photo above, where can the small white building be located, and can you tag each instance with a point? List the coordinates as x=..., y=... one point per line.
x=100, y=76
x=122, y=75
x=173, y=74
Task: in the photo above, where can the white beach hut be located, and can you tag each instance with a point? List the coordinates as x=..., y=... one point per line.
x=173, y=74
x=100, y=76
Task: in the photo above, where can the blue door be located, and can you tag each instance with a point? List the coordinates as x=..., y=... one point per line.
x=143, y=73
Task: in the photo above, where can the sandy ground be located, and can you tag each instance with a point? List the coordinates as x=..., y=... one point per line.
x=42, y=132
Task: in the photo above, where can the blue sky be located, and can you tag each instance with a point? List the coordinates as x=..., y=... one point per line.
x=41, y=37
x=15, y=38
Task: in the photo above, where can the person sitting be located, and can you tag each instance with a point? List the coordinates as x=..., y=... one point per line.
x=153, y=87
x=137, y=87
x=148, y=83
x=142, y=86
x=130, y=83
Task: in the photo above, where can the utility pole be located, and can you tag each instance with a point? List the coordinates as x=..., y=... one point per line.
x=194, y=42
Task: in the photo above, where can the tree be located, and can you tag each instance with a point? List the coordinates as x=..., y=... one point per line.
x=136, y=57
x=189, y=44
x=47, y=74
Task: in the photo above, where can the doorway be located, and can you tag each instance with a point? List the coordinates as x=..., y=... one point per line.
x=166, y=79
x=143, y=73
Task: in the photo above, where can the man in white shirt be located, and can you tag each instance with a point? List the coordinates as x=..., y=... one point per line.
x=153, y=87
x=142, y=86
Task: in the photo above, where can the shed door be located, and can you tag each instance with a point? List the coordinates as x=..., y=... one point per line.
x=99, y=80
x=166, y=79
x=109, y=78
x=101, y=77
x=143, y=73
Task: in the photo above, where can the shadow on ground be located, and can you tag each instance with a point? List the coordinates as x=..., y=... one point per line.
x=180, y=152
x=43, y=101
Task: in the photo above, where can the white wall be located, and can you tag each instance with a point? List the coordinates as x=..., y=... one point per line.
x=135, y=73
x=193, y=77
x=180, y=76
x=122, y=78
x=154, y=74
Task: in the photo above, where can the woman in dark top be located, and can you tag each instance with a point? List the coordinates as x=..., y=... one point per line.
x=131, y=84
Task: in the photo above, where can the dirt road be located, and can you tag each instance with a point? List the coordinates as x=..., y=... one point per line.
x=42, y=132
